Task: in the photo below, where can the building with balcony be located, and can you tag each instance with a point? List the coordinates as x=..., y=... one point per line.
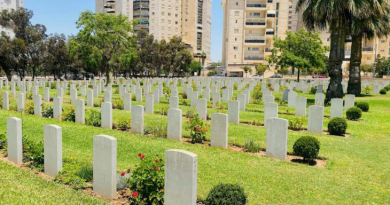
x=249, y=29
x=190, y=20
x=9, y=5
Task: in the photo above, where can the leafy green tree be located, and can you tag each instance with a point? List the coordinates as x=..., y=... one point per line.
x=260, y=69
x=367, y=68
x=178, y=57
x=195, y=66
x=371, y=21
x=102, y=40
x=300, y=50
x=247, y=70
x=28, y=39
x=56, y=58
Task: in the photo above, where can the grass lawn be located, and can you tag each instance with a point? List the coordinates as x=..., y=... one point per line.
x=357, y=170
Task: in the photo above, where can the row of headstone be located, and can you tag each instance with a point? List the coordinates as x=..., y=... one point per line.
x=180, y=166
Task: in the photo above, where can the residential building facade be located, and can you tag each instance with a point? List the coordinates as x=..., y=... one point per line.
x=251, y=25
x=188, y=19
x=9, y=5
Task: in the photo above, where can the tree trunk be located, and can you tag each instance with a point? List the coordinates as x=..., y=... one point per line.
x=336, y=57
x=299, y=74
x=354, y=83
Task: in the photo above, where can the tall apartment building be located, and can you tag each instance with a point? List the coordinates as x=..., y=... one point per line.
x=370, y=47
x=189, y=19
x=250, y=25
x=249, y=28
x=9, y=5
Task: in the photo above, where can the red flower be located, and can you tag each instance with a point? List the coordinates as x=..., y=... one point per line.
x=197, y=128
x=157, y=168
x=156, y=160
x=134, y=194
x=139, y=154
x=188, y=122
x=123, y=173
x=212, y=102
x=143, y=156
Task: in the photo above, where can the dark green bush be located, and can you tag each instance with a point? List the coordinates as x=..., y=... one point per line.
x=226, y=194
x=313, y=90
x=33, y=152
x=363, y=106
x=3, y=141
x=383, y=91
x=307, y=147
x=337, y=126
x=354, y=113
x=387, y=87
x=48, y=112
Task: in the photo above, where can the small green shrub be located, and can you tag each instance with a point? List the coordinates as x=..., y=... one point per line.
x=29, y=109
x=251, y=146
x=53, y=86
x=307, y=147
x=157, y=128
x=197, y=128
x=75, y=175
x=257, y=93
x=94, y=118
x=313, y=90
x=387, y=87
x=184, y=95
x=164, y=110
x=69, y=115
x=296, y=123
x=337, y=126
x=3, y=141
x=124, y=124
x=226, y=194
x=147, y=182
x=383, y=91
x=133, y=98
x=367, y=90
x=354, y=113
x=48, y=112
x=33, y=152
x=363, y=106
x=118, y=104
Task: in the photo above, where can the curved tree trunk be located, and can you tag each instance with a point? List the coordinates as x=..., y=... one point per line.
x=354, y=83
x=336, y=57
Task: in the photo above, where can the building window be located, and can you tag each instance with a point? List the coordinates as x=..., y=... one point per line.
x=235, y=48
x=236, y=3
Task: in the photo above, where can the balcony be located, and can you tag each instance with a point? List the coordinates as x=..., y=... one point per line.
x=271, y=14
x=110, y=11
x=254, y=39
x=255, y=5
x=254, y=57
x=367, y=49
x=141, y=16
x=110, y=1
x=269, y=31
x=255, y=22
x=141, y=1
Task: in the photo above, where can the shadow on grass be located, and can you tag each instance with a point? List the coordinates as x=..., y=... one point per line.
x=301, y=161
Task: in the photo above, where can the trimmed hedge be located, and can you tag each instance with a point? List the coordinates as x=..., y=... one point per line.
x=307, y=147
x=354, y=113
x=363, y=106
x=337, y=126
x=226, y=194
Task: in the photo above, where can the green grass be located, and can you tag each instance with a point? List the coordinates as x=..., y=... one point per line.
x=357, y=170
x=22, y=187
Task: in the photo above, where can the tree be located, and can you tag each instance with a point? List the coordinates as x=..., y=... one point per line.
x=56, y=55
x=247, y=69
x=102, y=40
x=300, y=50
x=260, y=69
x=367, y=68
x=371, y=21
x=178, y=58
x=195, y=66
x=333, y=15
x=28, y=39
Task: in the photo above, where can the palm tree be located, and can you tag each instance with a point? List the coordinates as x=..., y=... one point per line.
x=373, y=21
x=247, y=69
x=335, y=16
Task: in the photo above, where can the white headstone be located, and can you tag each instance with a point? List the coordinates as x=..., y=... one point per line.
x=137, y=119
x=52, y=149
x=174, y=124
x=219, y=130
x=276, y=144
x=14, y=140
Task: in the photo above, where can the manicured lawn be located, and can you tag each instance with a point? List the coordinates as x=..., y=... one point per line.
x=22, y=187
x=357, y=170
